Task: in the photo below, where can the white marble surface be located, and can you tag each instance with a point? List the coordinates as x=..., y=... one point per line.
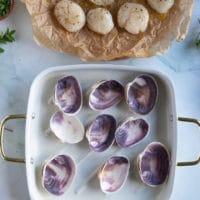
x=23, y=60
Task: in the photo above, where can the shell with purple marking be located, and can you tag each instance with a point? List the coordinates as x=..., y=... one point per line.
x=154, y=164
x=58, y=174
x=101, y=132
x=131, y=132
x=141, y=94
x=113, y=174
x=68, y=129
x=105, y=94
x=68, y=95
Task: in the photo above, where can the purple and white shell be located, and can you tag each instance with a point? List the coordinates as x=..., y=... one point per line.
x=105, y=94
x=68, y=129
x=141, y=94
x=113, y=174
x=131, y=132
x=101, y=133
x=154, y=164
x=58, y=174
x=68, y=95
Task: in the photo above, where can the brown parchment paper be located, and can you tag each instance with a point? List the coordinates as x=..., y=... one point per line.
x=162, y=29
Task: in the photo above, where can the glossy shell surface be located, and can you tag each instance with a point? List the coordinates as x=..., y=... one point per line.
x=113, y=174
x=58, y=174
x=105, y=94
x=68, y=95
x=68, y=129
x=141, y=94
x=154, y=164
x=131, y=132
x=101, y=132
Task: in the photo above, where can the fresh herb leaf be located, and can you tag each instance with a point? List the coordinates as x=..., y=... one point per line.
x=5, y=37
x=5, y=6
x=197, y=40
x=1, y=50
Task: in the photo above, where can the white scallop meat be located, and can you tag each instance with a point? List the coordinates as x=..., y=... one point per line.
x=102, y=2
x=70, y=15
x=161, y=6
x=133, y=17
x=100, y=21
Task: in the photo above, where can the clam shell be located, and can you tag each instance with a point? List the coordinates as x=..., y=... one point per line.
x=113, y=174
x=141, y=94
x=101, y=132
x=58, y=174
x=68, y=95
x=105, y=94
x=68, y=129
x=131, y=132
x=154, y=164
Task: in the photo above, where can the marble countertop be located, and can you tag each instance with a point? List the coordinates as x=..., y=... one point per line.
x=23, y=60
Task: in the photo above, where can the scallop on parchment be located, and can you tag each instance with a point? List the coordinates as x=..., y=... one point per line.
x=108, y=30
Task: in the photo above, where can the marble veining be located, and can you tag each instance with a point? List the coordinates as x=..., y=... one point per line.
x=23, y=60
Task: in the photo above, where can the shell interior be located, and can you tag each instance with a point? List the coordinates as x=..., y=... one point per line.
x=141, y=94
x=114, y=173
x=101, y=133
x=68, y=129
x=106, y=94
x=154, y=163
x=58, y=174
x=131, y=132
x=68, y=95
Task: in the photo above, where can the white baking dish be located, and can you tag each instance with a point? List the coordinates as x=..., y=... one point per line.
x=42, y=145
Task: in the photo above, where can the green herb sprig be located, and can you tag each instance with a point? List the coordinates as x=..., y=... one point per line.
x=197, y=40
x=5, y=6
x=5, y=37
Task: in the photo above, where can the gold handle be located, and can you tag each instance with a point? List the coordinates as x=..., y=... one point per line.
x=197, y=122
x=2, y=128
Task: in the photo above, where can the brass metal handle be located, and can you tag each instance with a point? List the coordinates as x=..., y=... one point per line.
x=2, y=128
x=22, y=116
x=197, y=122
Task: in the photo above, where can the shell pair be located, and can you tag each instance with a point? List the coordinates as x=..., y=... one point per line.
x=68, y=98
x=102, y=132
x=141, y=94
x=153, y=164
